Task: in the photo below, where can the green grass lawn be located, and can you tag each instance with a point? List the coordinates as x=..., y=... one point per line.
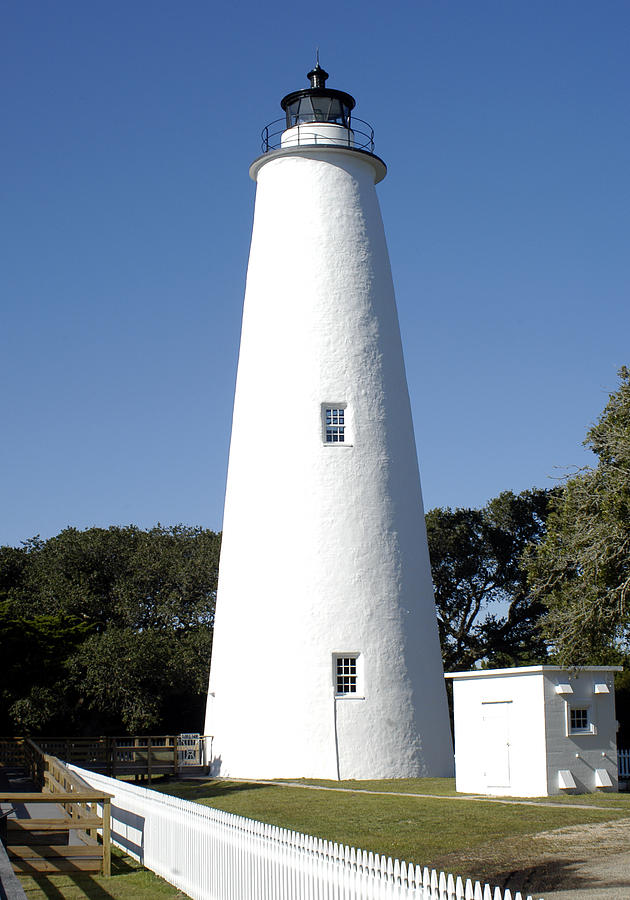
x=427, y=831
x=416, y=829
x=128, y=881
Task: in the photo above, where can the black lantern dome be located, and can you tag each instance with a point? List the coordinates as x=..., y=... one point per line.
x=318, y=103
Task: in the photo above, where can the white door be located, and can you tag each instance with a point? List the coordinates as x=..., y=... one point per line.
x=495, y=735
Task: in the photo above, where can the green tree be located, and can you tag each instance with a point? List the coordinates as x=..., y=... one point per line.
x=145, y=680
x=486, y=612
x=581, y=571
x=33, y=651
x=108, y=630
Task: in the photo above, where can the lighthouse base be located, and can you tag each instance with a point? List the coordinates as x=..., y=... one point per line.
x=282, y=718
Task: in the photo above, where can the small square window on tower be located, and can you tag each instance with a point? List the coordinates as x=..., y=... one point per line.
x=335, y=424
x=347, y=675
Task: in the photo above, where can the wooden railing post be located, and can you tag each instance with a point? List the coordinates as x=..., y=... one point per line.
x=35, y=761
x=149, y=760
x=107, y=848
x=110, y=757
x=175, y=757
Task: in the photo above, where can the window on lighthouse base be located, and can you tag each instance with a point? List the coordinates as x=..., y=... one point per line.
x=347, y=675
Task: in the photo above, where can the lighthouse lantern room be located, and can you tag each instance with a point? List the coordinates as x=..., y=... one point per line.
x=326, y=660
x=318, y=103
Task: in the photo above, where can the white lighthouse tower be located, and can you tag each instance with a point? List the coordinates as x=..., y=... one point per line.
x=326, y=660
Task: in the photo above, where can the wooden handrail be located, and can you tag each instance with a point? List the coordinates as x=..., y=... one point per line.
x=10, y=887
x=144, y=756
x=53, y=797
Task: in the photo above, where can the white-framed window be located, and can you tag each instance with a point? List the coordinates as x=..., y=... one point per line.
x=580, y=720
x=348, y=675
x=334, y=423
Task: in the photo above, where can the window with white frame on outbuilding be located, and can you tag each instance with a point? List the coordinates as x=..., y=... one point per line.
x=579, y=720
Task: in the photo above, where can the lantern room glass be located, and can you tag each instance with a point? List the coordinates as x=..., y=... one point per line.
x=313, y=108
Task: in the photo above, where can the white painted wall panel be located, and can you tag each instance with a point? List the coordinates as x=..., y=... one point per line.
x=499, y=726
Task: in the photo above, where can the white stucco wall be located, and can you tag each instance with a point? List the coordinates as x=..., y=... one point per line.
x=512, y=730
x=324, y=548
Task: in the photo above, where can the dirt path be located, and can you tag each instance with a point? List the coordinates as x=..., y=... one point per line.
x=580, y=862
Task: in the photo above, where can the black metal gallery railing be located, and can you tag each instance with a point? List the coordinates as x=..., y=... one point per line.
x=359, y=136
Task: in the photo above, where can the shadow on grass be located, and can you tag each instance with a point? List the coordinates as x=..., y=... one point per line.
x=47, y=888
x=121, y=865
x=207, y=790
x=85, y=883
x=90, y=886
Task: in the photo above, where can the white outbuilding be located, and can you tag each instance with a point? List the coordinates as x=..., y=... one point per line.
x=535, y=731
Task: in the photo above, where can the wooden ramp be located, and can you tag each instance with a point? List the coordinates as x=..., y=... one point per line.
x=54, y=823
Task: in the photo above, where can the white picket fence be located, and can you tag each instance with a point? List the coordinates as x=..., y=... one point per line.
x=214, y=855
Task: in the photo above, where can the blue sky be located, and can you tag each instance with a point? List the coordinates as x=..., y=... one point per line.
x=126, y=216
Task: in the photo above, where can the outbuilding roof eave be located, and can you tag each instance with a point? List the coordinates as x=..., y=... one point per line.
x=528, y=670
